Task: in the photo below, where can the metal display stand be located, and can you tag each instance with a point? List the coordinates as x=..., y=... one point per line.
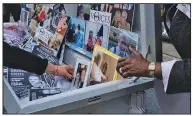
x=110, y=97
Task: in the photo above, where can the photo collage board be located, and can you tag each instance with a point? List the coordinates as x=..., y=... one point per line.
x=94, y=23
x=49, y=27
x=52, y=27
x=102, y=32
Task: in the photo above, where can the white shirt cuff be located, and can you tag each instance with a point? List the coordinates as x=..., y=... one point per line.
x=166, y=69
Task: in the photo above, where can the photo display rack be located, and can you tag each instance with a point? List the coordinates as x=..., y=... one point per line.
x=87, y=96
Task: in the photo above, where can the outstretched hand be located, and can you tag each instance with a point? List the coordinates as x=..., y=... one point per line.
x=135, y=65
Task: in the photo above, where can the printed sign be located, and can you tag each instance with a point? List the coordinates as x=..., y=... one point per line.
x=100, y=17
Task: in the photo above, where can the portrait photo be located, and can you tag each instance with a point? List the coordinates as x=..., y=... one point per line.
x=76, y=32
x=120, y=40
x=122, y=15
x=35, y=81
x=81, y=74
x=103, y=68
x=96, y=34
x=62, y=25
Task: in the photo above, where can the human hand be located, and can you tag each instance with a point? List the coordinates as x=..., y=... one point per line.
x=66, y=71
x=135, y=65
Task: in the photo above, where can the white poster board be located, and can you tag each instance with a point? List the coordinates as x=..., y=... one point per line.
x=100, y=17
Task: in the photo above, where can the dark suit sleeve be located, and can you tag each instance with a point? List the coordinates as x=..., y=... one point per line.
x=180, y=77
x=14, y=57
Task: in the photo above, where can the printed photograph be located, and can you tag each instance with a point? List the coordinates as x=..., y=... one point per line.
x=120, y=40
x=37, y=18
x=80, y=76
x=122, y=15
x=103, y=67
x=54, y=20
x=55, y=42
x=36, y=81
x=83, y=10
x=76, y=32
x=62, y=25
x=60, y=8
x=96, y=34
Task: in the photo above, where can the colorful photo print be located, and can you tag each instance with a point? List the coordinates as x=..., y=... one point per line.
x=120, y=40
x=103, y=68
x=37, y=18
x=62, y=25
x=76, y=32
x=96, y=34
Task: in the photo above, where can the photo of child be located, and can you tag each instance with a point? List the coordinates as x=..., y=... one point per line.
x=96, y=34
x=120, y=40
x=80, y=76
x=103, y=68
x=76, y=32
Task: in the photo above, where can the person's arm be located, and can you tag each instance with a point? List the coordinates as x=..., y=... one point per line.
x=17, y=58
x=180, y=77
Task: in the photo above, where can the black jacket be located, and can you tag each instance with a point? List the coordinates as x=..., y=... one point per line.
x=180, y=35
x=17, y=58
